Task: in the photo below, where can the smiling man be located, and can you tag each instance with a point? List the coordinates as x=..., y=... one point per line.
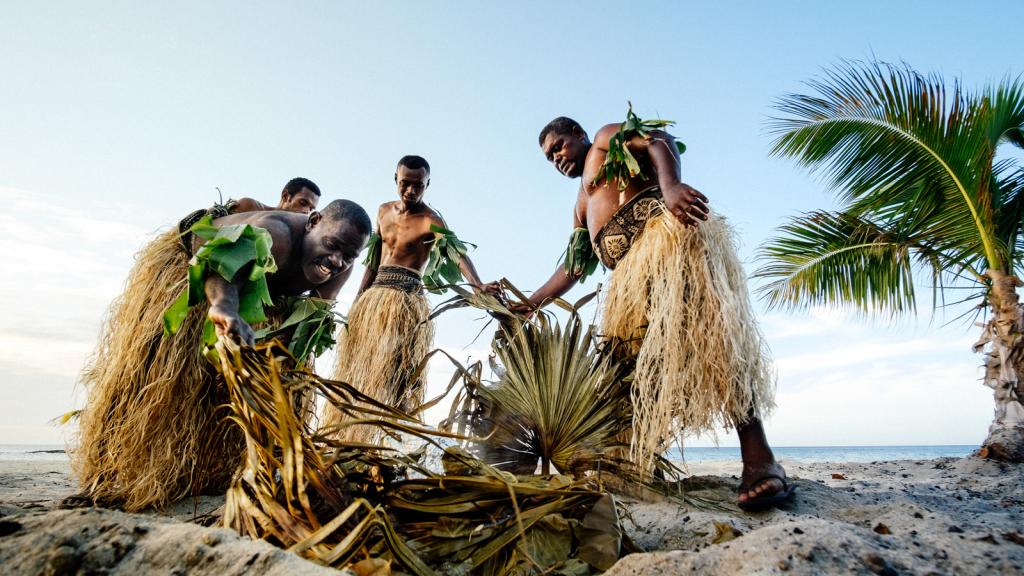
x=677, y=302
x=153, y=430
x=389, y=330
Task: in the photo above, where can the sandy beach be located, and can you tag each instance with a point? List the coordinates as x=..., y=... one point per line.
x=943, y=516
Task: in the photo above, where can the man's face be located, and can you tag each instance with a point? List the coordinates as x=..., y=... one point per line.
x=303, y=201
x=329, y=248
x=566, y=152
x=412, y=184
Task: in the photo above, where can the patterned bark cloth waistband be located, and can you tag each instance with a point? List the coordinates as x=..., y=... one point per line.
x=617, y=236
x=399, y=278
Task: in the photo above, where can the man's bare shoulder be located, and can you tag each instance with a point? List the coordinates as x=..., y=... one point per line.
x=604, y=136
x=273, y=221
x=249, y=205
x=434, y=216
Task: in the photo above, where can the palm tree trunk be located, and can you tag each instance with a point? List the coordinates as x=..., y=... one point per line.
x=1004, y=366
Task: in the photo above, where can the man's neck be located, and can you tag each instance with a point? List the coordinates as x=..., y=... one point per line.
x=410, y=207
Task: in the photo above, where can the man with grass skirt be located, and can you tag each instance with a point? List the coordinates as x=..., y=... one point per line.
x=389, y=331
x=677, y=303
x=153, y=429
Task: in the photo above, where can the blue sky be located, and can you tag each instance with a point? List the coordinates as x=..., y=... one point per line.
x=118, y=118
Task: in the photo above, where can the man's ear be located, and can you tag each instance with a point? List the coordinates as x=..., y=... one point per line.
x=396, y=177
x=313, y=219
x=427, y=185
x=579, y=133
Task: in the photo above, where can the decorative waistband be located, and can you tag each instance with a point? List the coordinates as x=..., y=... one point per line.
x=615, y=239
x=216, y=211
x=399, y=278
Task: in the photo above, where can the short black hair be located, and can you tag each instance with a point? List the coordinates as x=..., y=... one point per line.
x=413, y=162
x=348, y=210
x=560, y=125
x=295, y=185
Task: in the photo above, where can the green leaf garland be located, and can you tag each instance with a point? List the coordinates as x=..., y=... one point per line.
x=620, y=165
x=446, y=252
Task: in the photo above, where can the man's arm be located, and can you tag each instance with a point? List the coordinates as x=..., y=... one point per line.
x=329, y=290
x=249, y=205
x=223, y=295
x=371, y=269
x=467, y=268
x=561, y=282
x=685, y=202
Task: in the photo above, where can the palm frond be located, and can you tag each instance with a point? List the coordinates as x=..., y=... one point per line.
x=882, y=133
x=835, y=258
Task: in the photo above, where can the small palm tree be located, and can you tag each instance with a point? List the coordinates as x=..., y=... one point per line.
x=923, y=192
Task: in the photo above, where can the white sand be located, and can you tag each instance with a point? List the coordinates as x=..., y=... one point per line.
x=946, y=516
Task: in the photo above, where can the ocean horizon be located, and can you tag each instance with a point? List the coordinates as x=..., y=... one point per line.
x=55, y=452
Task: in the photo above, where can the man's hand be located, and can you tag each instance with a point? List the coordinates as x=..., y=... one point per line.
x=229, y=323
x=686, y=203
x=492, y=288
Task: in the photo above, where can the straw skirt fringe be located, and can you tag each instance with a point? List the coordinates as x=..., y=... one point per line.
x=389, y=333
x=678, y=302
x=153, y=430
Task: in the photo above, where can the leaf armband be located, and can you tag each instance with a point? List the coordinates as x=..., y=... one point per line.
x=373, y=244
x=227, y=251
x=579, y=259
x=308, y=327
x=620, y=165
x=446, y=252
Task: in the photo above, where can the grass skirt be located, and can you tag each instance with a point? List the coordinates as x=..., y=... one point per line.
x=678, y=301
x=389, y=333
x=153, y=428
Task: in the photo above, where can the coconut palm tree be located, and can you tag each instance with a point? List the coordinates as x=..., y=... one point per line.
x=927, y=193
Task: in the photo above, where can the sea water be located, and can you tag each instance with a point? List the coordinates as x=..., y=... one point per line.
x=703, y=454
x=830, y=453
x=36, y=452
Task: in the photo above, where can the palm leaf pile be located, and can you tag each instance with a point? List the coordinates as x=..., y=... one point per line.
x=349, y=504
x=620, y=165
x=561, y=401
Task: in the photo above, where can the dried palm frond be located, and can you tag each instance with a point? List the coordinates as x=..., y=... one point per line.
x=339, y=502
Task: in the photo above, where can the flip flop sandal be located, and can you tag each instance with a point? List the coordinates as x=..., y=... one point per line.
x=768, y=500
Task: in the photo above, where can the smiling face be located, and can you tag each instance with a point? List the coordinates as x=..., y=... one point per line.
x=567, y=152
x=412, y=184
x=303, y=201
x=330, y=247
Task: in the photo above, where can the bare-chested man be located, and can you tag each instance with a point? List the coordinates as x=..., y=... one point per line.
x=152, y=431
x=677, y=300
x=298, y=195
x=389, y=331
